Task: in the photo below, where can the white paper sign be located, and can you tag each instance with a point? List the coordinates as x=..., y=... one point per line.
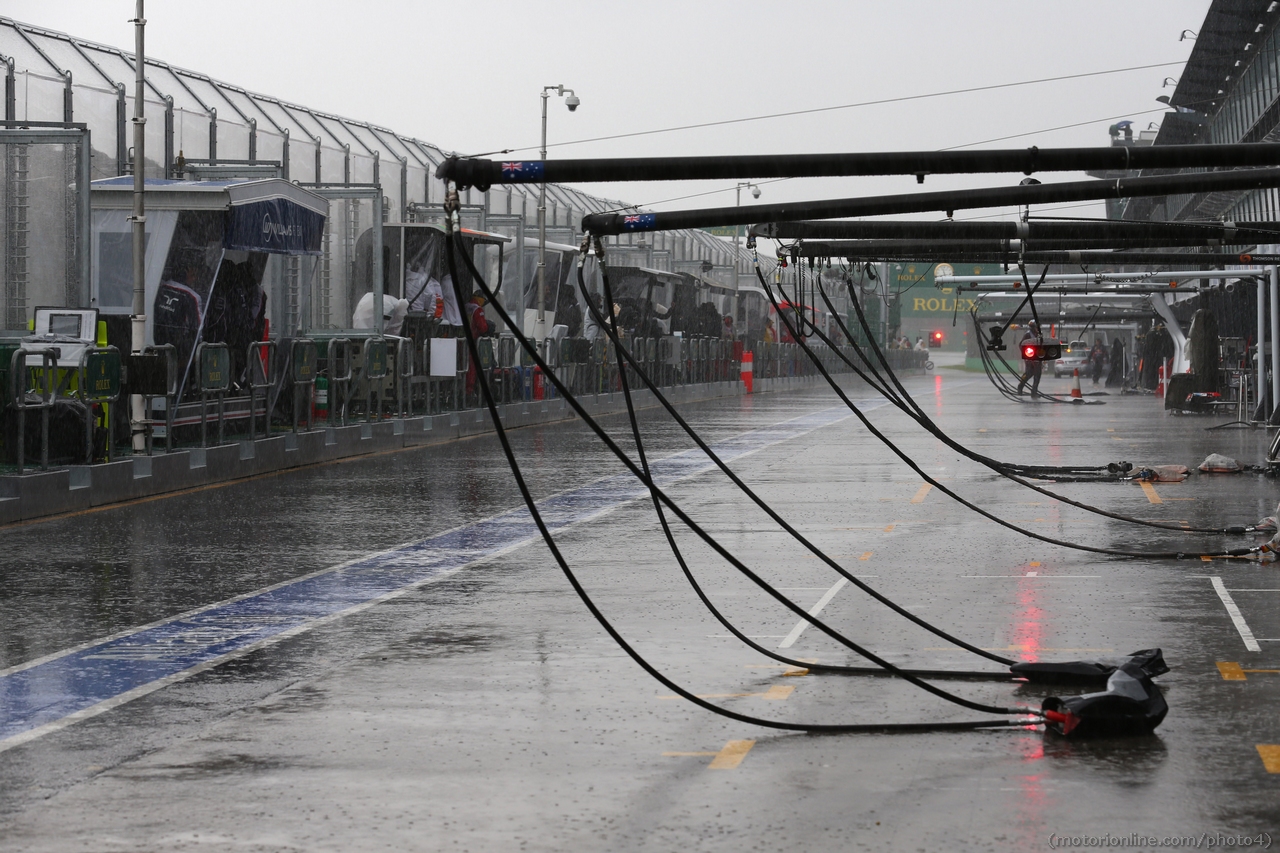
x=444, y=357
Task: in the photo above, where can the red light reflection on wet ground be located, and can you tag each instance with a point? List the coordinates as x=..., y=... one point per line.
x=1028, y=631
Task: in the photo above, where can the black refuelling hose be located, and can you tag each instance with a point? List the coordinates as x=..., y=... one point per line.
x=609, y=323
x=913, y=410
x=693, y=526
x=1113, y=552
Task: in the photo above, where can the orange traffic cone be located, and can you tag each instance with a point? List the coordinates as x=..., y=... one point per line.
x=1075, y=385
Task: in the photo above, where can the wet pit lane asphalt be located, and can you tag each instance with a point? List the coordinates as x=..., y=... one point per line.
x=455, y=695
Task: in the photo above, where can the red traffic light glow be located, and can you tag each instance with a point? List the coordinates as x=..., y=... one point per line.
x=937, y=336
x=1029, y=352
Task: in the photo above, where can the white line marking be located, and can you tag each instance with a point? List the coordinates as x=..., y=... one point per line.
x=1033, y=575
x=1234, y=612
x=752, y=636
x=1253, y=590
x=817, y=608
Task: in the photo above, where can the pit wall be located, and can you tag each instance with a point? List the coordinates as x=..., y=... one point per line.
x=82, y=487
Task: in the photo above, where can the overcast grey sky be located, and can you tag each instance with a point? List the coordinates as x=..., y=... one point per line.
x=467, y=76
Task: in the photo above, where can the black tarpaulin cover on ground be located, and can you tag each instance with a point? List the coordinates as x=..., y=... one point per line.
x=1150, y=661
x=1132, y=704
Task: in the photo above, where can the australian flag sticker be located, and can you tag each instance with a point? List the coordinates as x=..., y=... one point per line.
x=639, y=222
x=523, y=170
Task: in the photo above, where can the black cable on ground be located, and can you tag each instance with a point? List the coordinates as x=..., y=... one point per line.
x=609, y=323
x=600, y=617
x=604, y=324
x=1041, y=471
x=1011, y=471
x=710, y=540
x=1113, y=552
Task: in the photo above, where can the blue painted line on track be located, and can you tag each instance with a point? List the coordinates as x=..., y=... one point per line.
x=52, y=692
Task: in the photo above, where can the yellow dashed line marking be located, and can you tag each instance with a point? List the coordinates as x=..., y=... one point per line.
x=889, y=528
x=1110, y=429
x=1033, y=565
x=1232, y=671
x=922, y=494
x=867, y=555
x=736, y=750
x=775, y=693
x=1270, y=754
x=789, y=670
x=1151, y=492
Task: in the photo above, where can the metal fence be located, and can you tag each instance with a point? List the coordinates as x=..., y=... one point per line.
x=44, y=219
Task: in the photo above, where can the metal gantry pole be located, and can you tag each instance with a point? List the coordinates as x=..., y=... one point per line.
x=1260, y=352
x=1275, y=340
x=737, y=229
x=737, y=236
x=139, y=220
x=539, y=332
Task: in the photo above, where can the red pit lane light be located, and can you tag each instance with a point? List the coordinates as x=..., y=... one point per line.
x=935, y=340
x=1050, y=350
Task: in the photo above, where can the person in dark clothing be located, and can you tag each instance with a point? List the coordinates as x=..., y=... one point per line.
x=1116, y=375
x=1031, y=368
x=1097, y=359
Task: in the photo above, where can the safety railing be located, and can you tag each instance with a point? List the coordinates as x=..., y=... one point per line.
x=460, y=373
x=375, y=371
x=214, y=360
x=98, y=384
x=159, y=363
x=261, y=360
x=20, y=372
x=304, y=358
x=404, y=376
x=339, y=382
x=403, y=370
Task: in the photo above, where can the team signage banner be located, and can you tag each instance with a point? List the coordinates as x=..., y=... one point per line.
x=275, y=225
x=919, y=297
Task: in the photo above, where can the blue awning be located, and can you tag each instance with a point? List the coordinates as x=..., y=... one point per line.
x=275, y=216
x=268, y=215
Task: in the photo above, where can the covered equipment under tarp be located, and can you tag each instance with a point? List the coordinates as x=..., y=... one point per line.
x=1132, y=704
x=1150, y=661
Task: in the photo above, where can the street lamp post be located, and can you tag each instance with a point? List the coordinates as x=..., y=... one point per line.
x=737, y=229
x=572, y=102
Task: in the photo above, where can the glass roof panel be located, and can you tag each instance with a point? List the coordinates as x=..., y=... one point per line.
x=117, y=68
x=65, y=56
x=212, y=96
x=281, y=117
x=25, y=57
x=251, y=108
x=165, y=81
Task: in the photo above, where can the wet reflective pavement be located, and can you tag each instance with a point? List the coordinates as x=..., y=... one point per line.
x=376, y=655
